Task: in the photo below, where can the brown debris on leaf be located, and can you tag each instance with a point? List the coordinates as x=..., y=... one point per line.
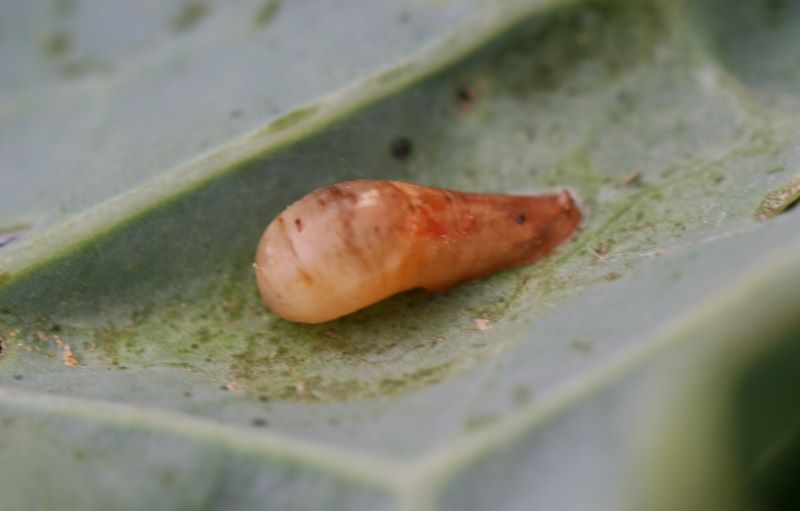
x=483, y=323
x=67, y=356
x=633, y=178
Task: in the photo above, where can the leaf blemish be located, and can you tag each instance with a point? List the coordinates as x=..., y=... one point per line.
x=465, y=95
x=401, y=147
x=634, y=178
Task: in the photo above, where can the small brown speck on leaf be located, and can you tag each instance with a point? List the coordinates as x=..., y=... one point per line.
x=231, y=385
x=466, y=95
x=633, y=178
x=67, y=356
x=613, y=276
x=603, y=248
x=465, y=98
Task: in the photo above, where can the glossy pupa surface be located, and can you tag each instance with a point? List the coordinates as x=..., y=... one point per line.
x=349, y=245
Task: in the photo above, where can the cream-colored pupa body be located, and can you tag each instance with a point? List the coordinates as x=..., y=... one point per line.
x=346, y=246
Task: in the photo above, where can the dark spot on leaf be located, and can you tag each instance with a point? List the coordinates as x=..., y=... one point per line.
x=187, y=394
x=613, y=276
x=465, y=98
x=17, y=377
x=521, y=218
x=401, y=147
x=259, y=422
x=263, y=399
x=465, y=94
x=235, y=113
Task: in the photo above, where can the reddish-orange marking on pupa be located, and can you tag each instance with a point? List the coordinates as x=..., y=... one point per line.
x=346, y=246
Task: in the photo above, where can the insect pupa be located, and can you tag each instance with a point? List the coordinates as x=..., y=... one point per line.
x=349, y=245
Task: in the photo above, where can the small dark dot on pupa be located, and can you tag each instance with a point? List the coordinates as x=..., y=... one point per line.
x=521, y=218
x=401, y=147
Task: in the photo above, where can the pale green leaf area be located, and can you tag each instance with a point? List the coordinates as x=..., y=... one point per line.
x=648, y=364
x=98, y=96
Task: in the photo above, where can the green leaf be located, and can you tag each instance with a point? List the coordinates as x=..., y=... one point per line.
x=648, y=364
